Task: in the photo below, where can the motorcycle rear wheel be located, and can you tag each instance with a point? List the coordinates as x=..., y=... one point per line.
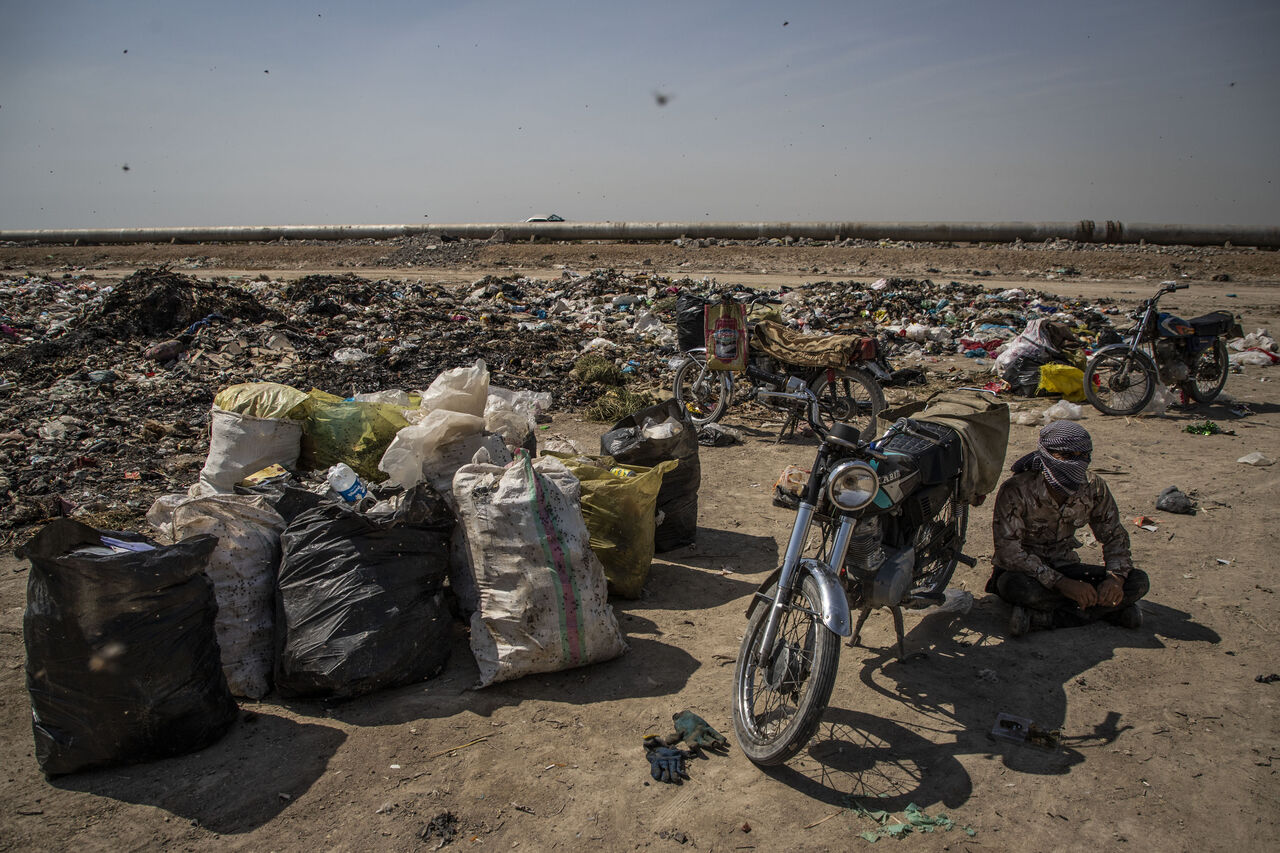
x=1208, y=373
x=854, y=398
x=703, y=393
x=1120, y=382
x=777, y=704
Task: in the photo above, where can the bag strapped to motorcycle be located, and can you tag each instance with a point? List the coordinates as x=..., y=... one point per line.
x=983, y=425
x=792, y=347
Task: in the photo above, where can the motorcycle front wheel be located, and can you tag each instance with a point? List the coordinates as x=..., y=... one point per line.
x=1208, y=373
x=1120, y=382
x=853, y=397
x=778, y=702
x=703, y=393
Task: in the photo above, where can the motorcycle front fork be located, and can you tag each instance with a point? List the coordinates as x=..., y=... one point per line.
x=789, y=579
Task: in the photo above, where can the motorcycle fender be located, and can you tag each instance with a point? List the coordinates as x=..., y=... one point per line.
x=832, y=604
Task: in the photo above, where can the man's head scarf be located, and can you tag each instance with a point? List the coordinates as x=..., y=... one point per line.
x=1066, y=476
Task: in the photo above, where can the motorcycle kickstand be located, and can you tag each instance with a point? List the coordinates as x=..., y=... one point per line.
x=857, y=629
x=903, y=657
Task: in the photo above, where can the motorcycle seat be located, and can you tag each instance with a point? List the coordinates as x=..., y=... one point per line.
x=1213, y=324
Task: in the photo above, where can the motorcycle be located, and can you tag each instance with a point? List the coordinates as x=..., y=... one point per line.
x=849, y=395
x=892, y=515
x=1121, y=378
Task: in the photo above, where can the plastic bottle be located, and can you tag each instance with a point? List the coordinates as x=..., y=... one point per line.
x=347, y=483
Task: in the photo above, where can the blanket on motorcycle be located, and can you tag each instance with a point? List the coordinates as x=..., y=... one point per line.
x=983, y=424
x=792, y=347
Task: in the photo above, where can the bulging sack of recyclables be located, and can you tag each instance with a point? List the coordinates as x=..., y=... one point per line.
x=361, y=606
x=243, y=570
x=252, y=426
x=122, y=660
x=543, y=598
x=618, y=506
x=650, y=437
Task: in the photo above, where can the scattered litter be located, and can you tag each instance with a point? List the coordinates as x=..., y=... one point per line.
x=1222, y=562
x=1064, y=411
x=1256, y=458
x=1268, y=679
x=1146, y=523
x=914, y=819
x=1207, y=428
x=1173, y=499
x=1017, y=729
x=717, y=435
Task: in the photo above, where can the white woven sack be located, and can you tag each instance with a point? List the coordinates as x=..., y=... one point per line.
x=542, y=590
x=243, y=572
x=240, y=445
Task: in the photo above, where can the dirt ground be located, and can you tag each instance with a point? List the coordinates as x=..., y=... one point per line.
x=1169, y=740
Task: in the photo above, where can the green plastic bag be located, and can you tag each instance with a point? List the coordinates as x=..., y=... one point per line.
x=1061, y=380
x=337, y=430
x=618, y=505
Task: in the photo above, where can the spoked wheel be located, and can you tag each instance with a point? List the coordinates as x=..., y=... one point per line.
x=1208, y=373
x=779, y=701
x=853, y=397
x=937, y=545
x=703, y=393
x=1120, y=382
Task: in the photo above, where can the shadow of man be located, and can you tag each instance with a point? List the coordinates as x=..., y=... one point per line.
x=955, y=695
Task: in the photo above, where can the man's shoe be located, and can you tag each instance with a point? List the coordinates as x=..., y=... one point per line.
x=1023, y=620
x=1127, y=617
x=1019, y=621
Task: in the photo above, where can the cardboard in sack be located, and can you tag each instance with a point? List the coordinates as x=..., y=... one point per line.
x=725, y=330
x=543, y=597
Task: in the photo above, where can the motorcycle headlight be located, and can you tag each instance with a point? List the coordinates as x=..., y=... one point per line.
x=852, y=485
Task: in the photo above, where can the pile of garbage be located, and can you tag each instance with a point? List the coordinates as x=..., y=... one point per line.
x=108, y=386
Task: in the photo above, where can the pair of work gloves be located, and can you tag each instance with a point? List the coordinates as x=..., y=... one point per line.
x=668, y=764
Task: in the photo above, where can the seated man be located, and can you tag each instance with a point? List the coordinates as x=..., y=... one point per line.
x=1038, y=510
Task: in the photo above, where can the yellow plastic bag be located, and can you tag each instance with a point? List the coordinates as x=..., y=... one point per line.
x=260, y=400
x=1061, y=380
x=337, y=430
x=618, y=504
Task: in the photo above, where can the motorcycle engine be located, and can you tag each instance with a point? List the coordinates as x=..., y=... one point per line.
x=1172, y=366
x=865, y=555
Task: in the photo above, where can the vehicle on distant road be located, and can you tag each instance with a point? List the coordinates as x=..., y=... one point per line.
x=545, y=217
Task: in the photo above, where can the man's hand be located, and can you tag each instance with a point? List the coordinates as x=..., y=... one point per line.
x=1081, y=592
x=1110, y=592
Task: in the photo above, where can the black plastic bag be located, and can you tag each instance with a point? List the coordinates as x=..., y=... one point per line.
x=671, y=435
x=122, y=660
x=690, y=311
x=1023, y=375
x=360, y=604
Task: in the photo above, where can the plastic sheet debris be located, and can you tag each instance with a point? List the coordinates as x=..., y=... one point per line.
x=1256, y=458
x=1146, y=523
x=914, y=819
x=1063, y=410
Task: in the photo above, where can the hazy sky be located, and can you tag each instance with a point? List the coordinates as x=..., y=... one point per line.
x=445, y=111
